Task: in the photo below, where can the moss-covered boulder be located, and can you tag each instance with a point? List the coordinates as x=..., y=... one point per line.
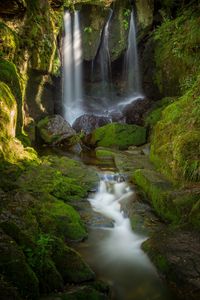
x=55, y=130
x=8, y=44
x=175, y=140
x=10, y=76
x=118, y=135
x=176, y=53
x=14, y=267
x=63, y=178
x=173, y=204
x=8, y=112
x=70, y=264
x=62, y=220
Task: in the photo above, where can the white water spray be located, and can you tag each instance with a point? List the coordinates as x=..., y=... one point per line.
x=73, y=94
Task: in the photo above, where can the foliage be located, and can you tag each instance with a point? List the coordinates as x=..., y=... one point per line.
x=88, y=29
x=177, y=53
x=176, y=137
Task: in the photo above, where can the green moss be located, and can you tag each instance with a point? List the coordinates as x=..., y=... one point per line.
x=58, y=218
x=70, y=264
x=156, y=113
x=9, y=43
x=51, y=177
x=175, y=140
x=104, y=153
x=118, y=136
x=14, y=267
x=8, y=112
x=159, y=260
x=175, y=205
x=9, y=75
x=177, y=55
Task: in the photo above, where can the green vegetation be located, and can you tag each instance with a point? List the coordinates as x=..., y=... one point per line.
x=175, y=140
x=177, y=52
x=118, y=136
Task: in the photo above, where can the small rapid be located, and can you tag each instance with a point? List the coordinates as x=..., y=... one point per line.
x=114, y=251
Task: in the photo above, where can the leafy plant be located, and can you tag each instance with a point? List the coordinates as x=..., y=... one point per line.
x=88, y=29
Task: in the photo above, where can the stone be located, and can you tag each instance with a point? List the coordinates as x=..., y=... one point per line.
x=87, y=123
x=133, y=112
x=14, y=267
x=70, y=264
x=55, y=130
x=176, y=256
x=116, y=135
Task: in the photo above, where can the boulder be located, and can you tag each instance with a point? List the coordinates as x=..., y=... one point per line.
x=134, y=112
x=88, y=123
x=116, y=135
x=55, y=130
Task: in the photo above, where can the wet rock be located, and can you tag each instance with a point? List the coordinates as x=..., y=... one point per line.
x=134, y=112
x=87, y=123
x=55, y=130
x=176, y=255
x=117, y=116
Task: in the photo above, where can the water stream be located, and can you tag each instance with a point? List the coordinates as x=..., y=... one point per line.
x=114, y=251
x=73, y=85
x=131, y=65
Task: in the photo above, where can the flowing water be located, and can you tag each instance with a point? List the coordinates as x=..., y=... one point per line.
x=113, y=250
x=73, y=85
x=131, y=64
x=104, y=60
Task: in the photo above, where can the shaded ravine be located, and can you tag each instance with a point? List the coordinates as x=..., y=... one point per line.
x=113, y=250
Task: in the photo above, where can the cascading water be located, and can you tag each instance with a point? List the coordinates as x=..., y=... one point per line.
x=104, y=59
x=131, y=64
x=73, y=94
x=114, y=250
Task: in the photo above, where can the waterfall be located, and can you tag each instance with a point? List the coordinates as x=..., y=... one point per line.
x=72, y=90
x=131, y=64
x=104, y=59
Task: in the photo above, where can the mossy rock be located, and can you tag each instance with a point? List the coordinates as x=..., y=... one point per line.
x=93, y=18
x=116, y=135
x=9, y=42
x=10, y=76
x=70, y=264
x=62, y=220
x=175, y=141
x=8, y=112
x=49, y=278
x=179, y=206
x=103, y=153
x=14, y=267
x=156, y=112
x=63, y=178
x=176, y=53
x=119, y=29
